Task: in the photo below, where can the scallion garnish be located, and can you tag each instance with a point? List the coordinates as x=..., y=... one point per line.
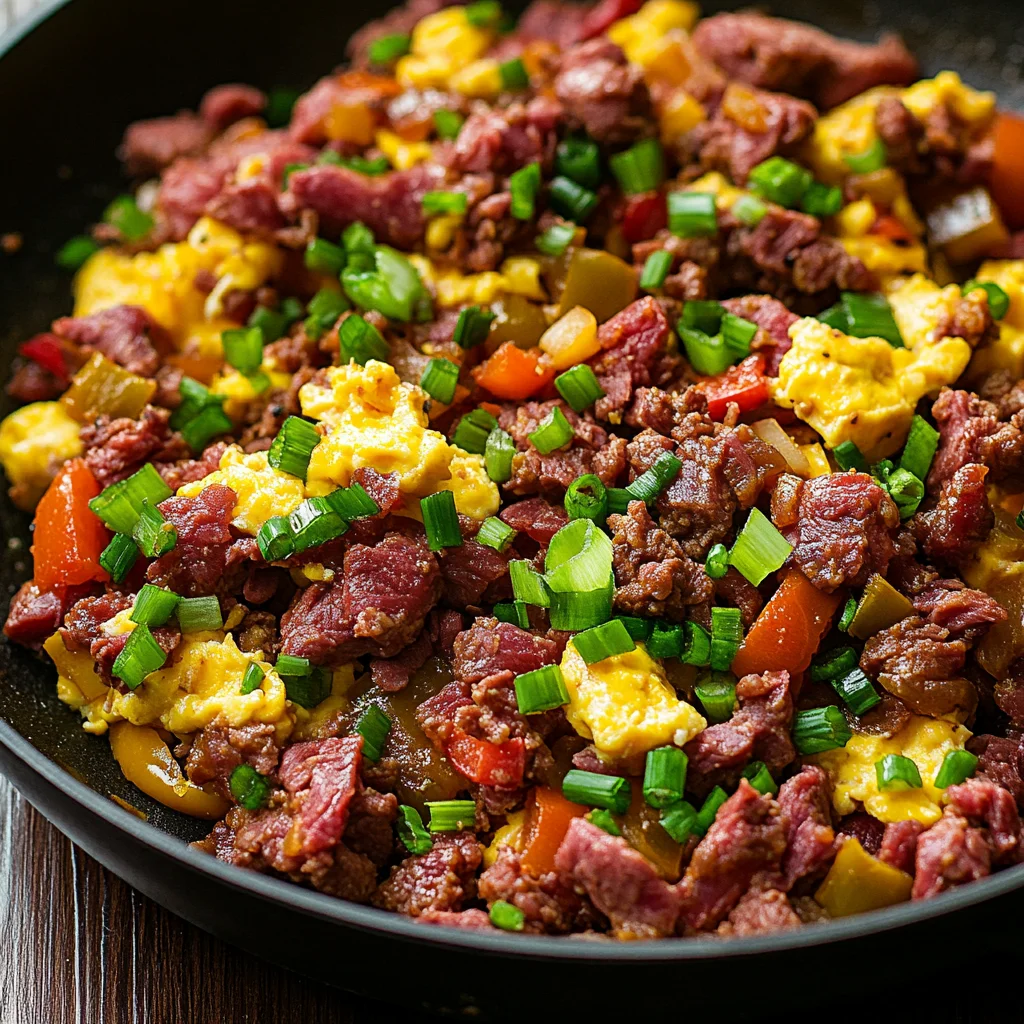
x=849, y=611
x=737, y=334
x=749, y=210
x=292, y=665
x=780, y=181
x=679, y=821
x=703, y=315
x=726, y=637
x=641, y=168
x=957, y=766
x=325, y=307
x=292, y=448
x=555, y=239
x=153, y=605
x=665, y=776
x=692, y=214
x=871, y=159
x=579, y=387
x=250, y=789
x=153, y=534
x=604, y=641
x=870, y=316
x=360, y=341
x=759, y=548
x=440, y=379
x=540, y=690
x=709, y=810
x=821, y=200
x=483, y=13
x=119, y=504
x=612, y=792
x=373, y=726
x=124, y=214
x=637, y=628
x=415, y=838
x=849, y=456
x=820, y=729
x=473, y=326
x=696, y=645
x=656, y=269
x=275, y=539
x=493, y=533
x=896, y=772
x=209, y=423
x=919, y=451
x=514, y=76
x=253, y=678
x=716, y=692
x=473, y=430
x=666, y=640
x=385, y=49
x=118, y=557
x=448, y=124
x=441, y=521
x=716, y=565
x=353, y=502
x=524, y=185
x=706, y=353
x=757, y=774
x=315, y=522
x=199, y=613
x=603, y=820
x=243, y=348
x=571, y=199
x=440, y=202
x=140, y=656
x=507, y=917
x=498, y=453
x=649, y=484
x=618, y=500
x=553, y=432
x=587, y=498
x=75, y=251
x=998, y=300
x=514, y=612
x=451, y=815
x=303, y=684
x=834, y=664
x=527, y=584
x=579, y=159
x=325, y=257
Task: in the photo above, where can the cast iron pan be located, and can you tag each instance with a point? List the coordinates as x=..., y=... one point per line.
x=70, y=80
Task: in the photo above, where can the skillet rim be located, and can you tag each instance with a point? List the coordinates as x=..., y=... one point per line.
x=291, y=896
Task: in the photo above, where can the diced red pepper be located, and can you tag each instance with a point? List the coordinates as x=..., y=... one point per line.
x=488, y=764
x=605, y=14
x=892, y=228
x=644, y=215
x=47, y=351
x=743, y=384
x=69, y=538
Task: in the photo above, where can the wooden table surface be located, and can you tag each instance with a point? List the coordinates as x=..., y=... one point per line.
x=79, y=946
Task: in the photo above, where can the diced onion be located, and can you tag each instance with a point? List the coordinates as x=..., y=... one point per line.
x=771, y=433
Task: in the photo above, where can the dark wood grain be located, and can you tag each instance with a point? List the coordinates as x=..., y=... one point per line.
x=79, y=946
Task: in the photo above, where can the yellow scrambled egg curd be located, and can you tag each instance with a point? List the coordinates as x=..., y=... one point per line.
x=625, y=704
x=442, y=43
x=851, y=769
x=35, y=441
x=862, y=389
x=850, y=129
x=518, y=275
x=880, y=255
x=1007, y=351
x=261, y=490
x=80, y=686
x=203, y=683
x=163, y=282
x=920, y=307
x=373, y=420
x=238, y=390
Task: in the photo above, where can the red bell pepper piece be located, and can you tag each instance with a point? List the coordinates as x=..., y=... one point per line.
x=892, y=228
x=488, y=764
x=69, y=538
x=605, y=14
x=47, y=351
x=644, y=215
x=743, y=384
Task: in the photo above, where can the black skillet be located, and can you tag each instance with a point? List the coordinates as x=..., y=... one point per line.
x=70, y=80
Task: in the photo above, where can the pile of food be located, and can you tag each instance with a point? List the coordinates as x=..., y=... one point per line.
x=559, y=476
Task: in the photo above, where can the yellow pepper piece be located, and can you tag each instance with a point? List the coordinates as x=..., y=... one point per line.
x=35, y=441
x=78, y=667
x=881, y=605
x=858, y=882
x=102, y=387
x=816, y=459
x=571, y=339
x=598, y=281
x=510, y=834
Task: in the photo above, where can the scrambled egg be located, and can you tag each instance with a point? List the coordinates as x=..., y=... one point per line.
x=261, y=490
x=374, y=420
x=35, y=441
x=79, y=685
x=519, y=275
x=850, y=129
x=880, y=255
x=920, y=306
x=851, y=769
x=625, y=704
x=1007, y=351
x=238, y=390
x=442, y=43
x=163, y=282
x=862, y=389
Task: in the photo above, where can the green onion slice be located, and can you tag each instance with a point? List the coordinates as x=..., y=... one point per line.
x=493, y=533
x=118, y=557
x=587, y=498
x=759, y=548
x=514, y=612
x=716, y=565
x=896, y=772
x=275, y=539
x=957, y=766
x=411, y=832
x=580, y=160
x=243, y=348
x=553, y=432
x=653, y=481
x=680, y=821
x=140, y=656
x=441, y=521
x=498, y=453
x=120, y=504
x=716, y=692
x=656, y=268
x=780, y=181
x=612, y=792
x=473, y=326
x=315, y=522
x=757, y=774
x=572, y=200
x=665, y=776
x=253, y=678
x=540, y=690
x=820, y=729
x=249, y=789
x=153, y=534
x=604, y=641
x=199, y=613
x=153, y=605
x=579, y=387
x=440, y=379
x=524, y=185
x=373, y=726
x=641, y=168
x=528, y=585
x=451, y=815
x=507, y=917
x=692, y=214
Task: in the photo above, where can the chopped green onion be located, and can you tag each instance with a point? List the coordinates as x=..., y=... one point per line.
x=716, y=692
x=325, y=307
x=250, y=789
x=292, y=665
x=665, y=641
x=716, y=565
x=124, y=214
x=441, y=521
x=211, y=422
x=253, y=678
x=75, y=251
x=451, y=815
x=473, y=430
x=514, y=76
x=280, y=101
x=703, y=315
x=737, y=334
x=556, y=239
x=820, y=729
x=906, y=491
x=473, y=326
x=358, y=240
x=604, y=641
x=498, y=455
x=275, y=539
x=289, y=170
x=896, y=772
x=119, y=504
x=315, y=522
x=307, y=689
x=726, y=636
x=411, y=832
x=822, y=200
x=380, y=165
x=580, y=160
x=440, y=379
x=757, y=774
x=196, y=614
x=692, y=214
x=871, y=159
x=444, y=202
x=578, y=572
x=679, y=821
x=656, y=268
x=118, y=557
x=612, y=792
x=957, y=766
x=540, y=690
x=495, y=534
x=483, y=13
x=696, y=645
x=649, y=484
x=709, y=810
x=641, y=168
x=387, y=283
x=603, y=820
x=153, y=605
x=618, y=500
x=637, y=628
x=140, y=656
x=587, y=498
x=554, y=431
x=579, y=387
x=749, y=210
x=524, y=185
x=448, y=124
x=527, y=584
x=571, y=199
x=870, y=316
x=292, y=448
x=360, y=341
x=385, y=49
x=325, y=257
x=507, y=917
x=849, y=611
x=154, y=535
x=780, y=181
x=849, y=456
x=373, y=726
x=759, y=548
x=834, y=664
x=514, y=612
x=664, y=776
x=998, y=300
x=243, y=348
x=707, y=353
x=919, y=451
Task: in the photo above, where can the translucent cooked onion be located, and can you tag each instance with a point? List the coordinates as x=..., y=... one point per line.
x=770, y=432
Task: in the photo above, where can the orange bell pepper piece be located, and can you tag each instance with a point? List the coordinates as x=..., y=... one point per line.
x=514, y=373
x=488, y=764
x=548, y=815
x=69, y=538
x=789, y=629
x=1008, y=168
